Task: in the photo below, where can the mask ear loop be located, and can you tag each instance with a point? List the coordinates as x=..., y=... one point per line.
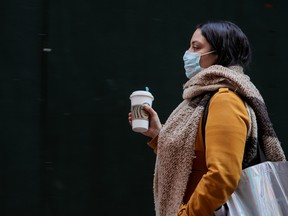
x=208, y=53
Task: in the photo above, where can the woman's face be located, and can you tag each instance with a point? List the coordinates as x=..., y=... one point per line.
x=200, y=45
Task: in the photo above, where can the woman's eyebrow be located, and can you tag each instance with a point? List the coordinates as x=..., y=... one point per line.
x=196, y=43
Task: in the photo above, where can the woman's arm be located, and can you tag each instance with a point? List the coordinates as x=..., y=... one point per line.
x=226, y=130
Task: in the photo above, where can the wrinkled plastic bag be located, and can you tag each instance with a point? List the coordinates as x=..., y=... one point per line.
x=262, y=191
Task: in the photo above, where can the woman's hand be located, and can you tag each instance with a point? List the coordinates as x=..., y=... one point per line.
x=154, y=122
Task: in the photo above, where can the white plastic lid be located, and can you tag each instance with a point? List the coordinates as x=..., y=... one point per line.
x=143, y=93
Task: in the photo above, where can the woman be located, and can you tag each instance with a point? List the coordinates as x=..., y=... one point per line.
x=193, y=176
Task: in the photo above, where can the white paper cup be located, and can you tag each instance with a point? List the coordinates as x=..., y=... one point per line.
x=140, y=118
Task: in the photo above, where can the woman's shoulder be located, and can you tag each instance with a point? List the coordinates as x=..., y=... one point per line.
x=226, y=95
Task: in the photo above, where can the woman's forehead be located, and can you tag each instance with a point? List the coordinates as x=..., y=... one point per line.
x=197, y=37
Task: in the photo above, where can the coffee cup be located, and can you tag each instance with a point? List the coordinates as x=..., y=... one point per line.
x=140, y=117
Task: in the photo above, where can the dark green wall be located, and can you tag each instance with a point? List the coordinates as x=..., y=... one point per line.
x=20, y=107
x=67, y=70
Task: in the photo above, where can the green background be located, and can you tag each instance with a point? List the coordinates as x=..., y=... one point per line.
x=67, y=71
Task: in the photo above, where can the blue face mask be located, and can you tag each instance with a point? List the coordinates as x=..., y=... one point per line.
x=192, y=63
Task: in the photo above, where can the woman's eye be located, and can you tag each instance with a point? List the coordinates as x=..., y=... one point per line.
x=195, y=48
x=192, y=48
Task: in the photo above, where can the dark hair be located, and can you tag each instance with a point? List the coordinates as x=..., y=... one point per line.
x=229, y=41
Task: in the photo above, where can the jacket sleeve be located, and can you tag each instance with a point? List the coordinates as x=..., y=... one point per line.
x=226, y=129
x=153, y=144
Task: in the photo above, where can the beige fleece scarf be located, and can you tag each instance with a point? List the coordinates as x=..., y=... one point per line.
x=176, y=142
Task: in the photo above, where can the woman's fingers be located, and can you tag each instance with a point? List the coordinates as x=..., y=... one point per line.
x=130, y=118
x=154, y=122
x=150, y=110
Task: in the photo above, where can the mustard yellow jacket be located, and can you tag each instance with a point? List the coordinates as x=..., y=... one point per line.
x=217, y=168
